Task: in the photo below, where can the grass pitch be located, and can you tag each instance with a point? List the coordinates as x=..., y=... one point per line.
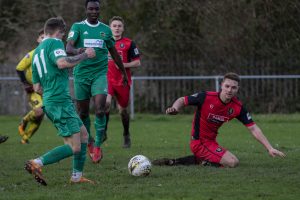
x=257, y=177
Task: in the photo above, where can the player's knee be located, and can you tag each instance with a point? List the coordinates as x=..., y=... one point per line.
x=83, y=114
x=100, y=112
x=123, y=111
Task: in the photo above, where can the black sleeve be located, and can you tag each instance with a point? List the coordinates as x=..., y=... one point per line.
x=245, y=116
x=195, y=99
x=22, y=77
x=133, y=52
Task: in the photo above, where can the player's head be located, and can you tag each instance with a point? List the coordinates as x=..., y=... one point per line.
x=55, y=27
x=92, y=9
x=40, y=35
x=117, y=24
x=229, y=86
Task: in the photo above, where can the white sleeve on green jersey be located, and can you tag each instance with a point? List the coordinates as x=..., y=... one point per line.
x=35, y=75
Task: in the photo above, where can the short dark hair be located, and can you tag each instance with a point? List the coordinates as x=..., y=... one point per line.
x=53, y=24
x=118, y=18
x=41, y=31
x=87, y=1
x=232, y=76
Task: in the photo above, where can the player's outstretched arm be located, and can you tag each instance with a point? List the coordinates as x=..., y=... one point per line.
x=133, y=64
x=259, y=136
x=70, y=48
x=116, y=57
x=71, y=61
x=177, y=105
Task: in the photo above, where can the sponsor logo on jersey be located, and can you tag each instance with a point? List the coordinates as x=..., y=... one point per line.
x=230, y=111
x=85, y=33
x=59, y=52
x=71, y=34
x=93, y=43
x=136, y=51
x=249, y=116
x=218, y=119
x=122, y=45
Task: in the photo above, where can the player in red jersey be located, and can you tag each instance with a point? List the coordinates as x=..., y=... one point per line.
x=213, y=110
x=131, y=59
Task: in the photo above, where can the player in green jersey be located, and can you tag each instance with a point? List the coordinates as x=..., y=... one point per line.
x=50, y=77
x=90, y=79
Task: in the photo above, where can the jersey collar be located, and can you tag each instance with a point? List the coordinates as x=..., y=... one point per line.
x=91, y=25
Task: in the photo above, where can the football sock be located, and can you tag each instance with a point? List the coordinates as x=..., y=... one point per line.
x=38, y=161
x=76, y=176
x=57, y=154
x=125, y=122
x=100, y=130
x=187, y=160
x=30, y=116
x=79, y=159
x=32, y=128
x=87, y=123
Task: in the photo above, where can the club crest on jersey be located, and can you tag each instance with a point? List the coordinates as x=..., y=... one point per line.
x=102, y=34
x=85, y=33
x=219, y=149
x=211, y=106
x=122, y=45
x=230, y=111
x=59, y=52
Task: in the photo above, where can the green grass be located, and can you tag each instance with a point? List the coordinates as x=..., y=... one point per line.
x=257, y=177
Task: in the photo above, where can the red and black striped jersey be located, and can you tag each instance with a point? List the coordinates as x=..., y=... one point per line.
x=128, y=52
x=211, y=113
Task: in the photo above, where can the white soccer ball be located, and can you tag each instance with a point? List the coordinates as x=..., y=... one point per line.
x=139, y=165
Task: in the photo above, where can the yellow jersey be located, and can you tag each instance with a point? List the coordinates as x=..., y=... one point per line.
x=25, y=65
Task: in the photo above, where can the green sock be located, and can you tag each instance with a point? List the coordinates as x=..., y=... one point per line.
x=87, y=123
x=100, y=130
x=57, y=154
x=79, y=159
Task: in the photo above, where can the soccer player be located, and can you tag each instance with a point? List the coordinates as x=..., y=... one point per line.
x=90, y=78
x=213, y=109
x=131, y=59
x=32, y=120
x=50, y=77
x=3, y=138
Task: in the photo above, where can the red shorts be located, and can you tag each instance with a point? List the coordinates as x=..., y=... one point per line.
x=121, y=93
x=209, y=150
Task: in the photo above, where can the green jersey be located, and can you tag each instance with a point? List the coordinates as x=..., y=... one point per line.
x=99, y=37
x=54, y=81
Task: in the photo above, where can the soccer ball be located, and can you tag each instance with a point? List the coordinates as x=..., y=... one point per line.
x=139, y=165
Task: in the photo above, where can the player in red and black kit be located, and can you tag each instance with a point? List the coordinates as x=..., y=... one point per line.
x=213, y=110
x=131, y=59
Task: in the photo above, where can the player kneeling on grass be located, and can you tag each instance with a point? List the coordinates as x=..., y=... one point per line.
x=213, y=110
x=50, y=77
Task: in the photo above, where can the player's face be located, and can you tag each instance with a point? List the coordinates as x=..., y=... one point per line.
x=117, y=28
x=93, y=12
x=229, y=89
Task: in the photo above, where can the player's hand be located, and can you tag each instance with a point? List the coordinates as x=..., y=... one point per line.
x=171, y=111
x=28, y=88
x=90, y=52
x=274, y=152
x=80, y=50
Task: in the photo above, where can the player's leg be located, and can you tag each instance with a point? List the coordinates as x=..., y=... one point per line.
x=99, y=93
x=122, y=95
x=110, y=94
x=229, y=160
x=100, y=122
x=79, y=159
x=186, y=160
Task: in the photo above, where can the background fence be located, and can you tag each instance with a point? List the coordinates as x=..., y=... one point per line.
x=260, y=93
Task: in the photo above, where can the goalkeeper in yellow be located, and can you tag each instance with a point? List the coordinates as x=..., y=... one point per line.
x=32, y=120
